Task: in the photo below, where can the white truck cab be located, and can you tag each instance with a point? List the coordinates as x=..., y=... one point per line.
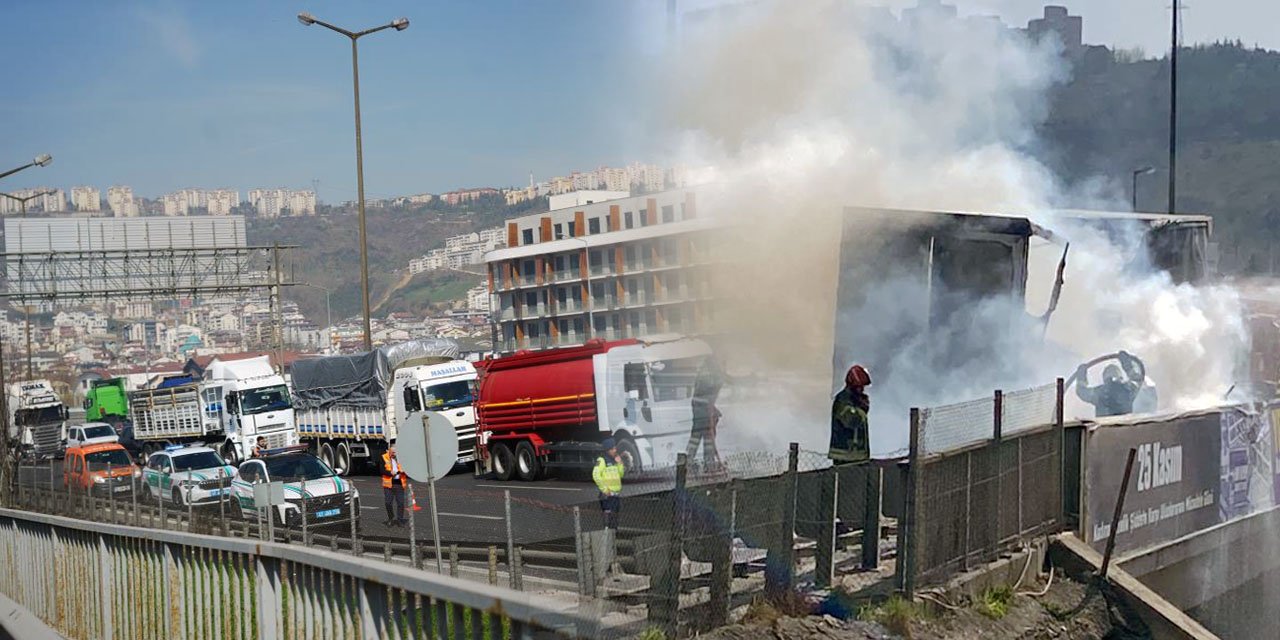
x=37, y=418
x=448, y=388
x=248, y=399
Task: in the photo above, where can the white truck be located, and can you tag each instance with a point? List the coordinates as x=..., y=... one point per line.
x=349, y=406
x=229, y=409
x=37, y=418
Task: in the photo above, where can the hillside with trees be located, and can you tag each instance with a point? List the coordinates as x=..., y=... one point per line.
x=1113, y=115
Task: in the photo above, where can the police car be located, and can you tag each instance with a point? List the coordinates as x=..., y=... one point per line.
x=178, y=473
x=310, y=486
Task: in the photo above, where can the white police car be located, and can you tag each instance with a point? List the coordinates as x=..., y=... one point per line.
x=310, y=486
x=180, y=473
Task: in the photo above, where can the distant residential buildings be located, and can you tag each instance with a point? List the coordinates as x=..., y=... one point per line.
x=120, y=201
x=460, y=251
x=273, y=203
x=86, y=199
x=50, y=201
x=467, y=195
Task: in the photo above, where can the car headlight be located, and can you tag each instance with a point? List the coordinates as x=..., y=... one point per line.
x=137, y=473
x=99, y=480
x=189, y=483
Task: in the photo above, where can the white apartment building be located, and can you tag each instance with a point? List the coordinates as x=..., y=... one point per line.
x=174, y=204
x=302, y=203
x=614, y=269
x=52, y=201
x=460, y=251
x=86, y=198
x=478, y=299
x=220, y=202
x=120, y=201
x=271, y=203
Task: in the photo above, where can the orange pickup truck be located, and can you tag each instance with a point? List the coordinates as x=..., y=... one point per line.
x=102, y=468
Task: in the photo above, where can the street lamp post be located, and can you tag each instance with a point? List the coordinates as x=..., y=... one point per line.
x=41, y=160
x=399, y=24
x=1140, y=171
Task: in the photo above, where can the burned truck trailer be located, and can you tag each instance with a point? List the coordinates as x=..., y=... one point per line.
x=934, y=302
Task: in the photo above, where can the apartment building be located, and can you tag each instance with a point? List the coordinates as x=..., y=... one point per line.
x=86, y=198
x=120, y=200
x=621, y=268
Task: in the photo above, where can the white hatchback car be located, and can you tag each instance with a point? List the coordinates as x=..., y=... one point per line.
x=310, y=486
x=91, y=433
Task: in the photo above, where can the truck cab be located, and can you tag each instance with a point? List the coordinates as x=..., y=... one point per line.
x=37, y=418
x=247, y=399
x=107, y=401
x=448, y=388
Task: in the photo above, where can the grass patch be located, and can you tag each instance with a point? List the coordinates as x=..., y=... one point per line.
x=894, y=614
x=995, y=602
x=653, y=633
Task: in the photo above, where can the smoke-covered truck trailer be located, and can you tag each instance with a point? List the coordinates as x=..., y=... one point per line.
x=235, y=403
x=551, y=409
x=349, y=406
x=37, y=418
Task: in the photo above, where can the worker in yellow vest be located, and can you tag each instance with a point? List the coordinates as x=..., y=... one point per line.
x=607, y=475
x=394, y=482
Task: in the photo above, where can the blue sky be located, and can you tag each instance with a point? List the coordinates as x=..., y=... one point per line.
x=164, y=94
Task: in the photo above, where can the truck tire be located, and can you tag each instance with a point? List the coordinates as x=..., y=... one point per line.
x=630, y=454
x=342, y=460
x=326, y=455
x=528, y=467
x=230, y=454
x=504, y=462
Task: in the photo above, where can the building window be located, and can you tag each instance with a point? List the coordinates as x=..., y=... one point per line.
x=573, y=232
x=600, y=323
x=559, y=231
x=593, y=225
x=627, y=221
x=669, y=213
x=528, y=268
x=644, y=218
x=531, y=301
x=577, y=325
x=526, y=236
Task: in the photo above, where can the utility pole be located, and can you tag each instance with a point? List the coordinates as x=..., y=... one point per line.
x=1173, y=110
x=278, y=330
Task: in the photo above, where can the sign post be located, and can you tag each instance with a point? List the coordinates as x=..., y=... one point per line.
x=429, y=453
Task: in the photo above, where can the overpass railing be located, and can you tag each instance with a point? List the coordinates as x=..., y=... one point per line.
x=99, y=580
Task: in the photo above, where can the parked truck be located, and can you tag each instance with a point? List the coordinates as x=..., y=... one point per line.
x=538, y=411
x=107, y=401
x=37, y=418
x=349, y=406
x=228, y=409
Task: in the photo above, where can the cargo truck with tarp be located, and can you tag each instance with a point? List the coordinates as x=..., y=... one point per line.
x=234, y=404
x=350, y=406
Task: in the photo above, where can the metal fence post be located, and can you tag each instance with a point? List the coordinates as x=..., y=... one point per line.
x=133, y=497
x=577, y=549
x=665, y=610
x=357, y=547
x=268, y=595
x=511, y=544
x=223, y=488
x=111, y=493
x=302, y=511
x=106, y=587
x=997, y=444
x=780, y=566
x=909, y=526
x=824, y=552
x=871, y=517
x=721, y=588
x=517, y=569
x=164, y=521
x=1060, y=494
x=453, y=560
x=191, y=506
x=415, y=554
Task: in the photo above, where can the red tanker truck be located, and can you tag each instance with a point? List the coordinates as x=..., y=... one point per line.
x=542, y=410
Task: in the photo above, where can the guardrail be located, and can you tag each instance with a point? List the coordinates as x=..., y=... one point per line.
x=98, y=580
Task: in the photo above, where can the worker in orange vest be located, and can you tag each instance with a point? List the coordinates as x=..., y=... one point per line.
x=393, y=484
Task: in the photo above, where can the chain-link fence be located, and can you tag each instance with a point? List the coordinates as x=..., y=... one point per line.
x=976, y=498
x=686, y=547
x=954, y=426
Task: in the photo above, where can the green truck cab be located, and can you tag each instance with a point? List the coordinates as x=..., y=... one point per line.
x=106, y=401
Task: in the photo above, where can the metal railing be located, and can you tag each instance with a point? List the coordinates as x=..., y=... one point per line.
x=99, y=580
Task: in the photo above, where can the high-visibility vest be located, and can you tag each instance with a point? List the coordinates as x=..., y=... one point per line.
x=608, y=477
x=389, y=477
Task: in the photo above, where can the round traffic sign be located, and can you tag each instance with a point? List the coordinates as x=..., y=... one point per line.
x=423, y=434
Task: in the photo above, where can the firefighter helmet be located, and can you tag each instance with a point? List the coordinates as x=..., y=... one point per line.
x=857, y=376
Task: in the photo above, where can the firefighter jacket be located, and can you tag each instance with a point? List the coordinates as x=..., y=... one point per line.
x=608, y=477
x=392, y=472
x=849, y=428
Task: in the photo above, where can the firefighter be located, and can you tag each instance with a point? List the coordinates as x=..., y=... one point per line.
x=1116, y=395
x=608, y=478
x=394, y=482
x=850, y=441
x=706, y=387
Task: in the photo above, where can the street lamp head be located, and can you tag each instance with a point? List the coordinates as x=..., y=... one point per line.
x=306, y=19
x=43, y=160
x=1145, y=170
x=400, y=24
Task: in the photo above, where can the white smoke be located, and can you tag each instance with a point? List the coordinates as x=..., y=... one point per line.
x=803, y=108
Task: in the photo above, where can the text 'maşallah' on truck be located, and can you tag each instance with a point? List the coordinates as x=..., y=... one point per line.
x=37, y=418
x=350, y=406
x=234, y=404
x=542, y=410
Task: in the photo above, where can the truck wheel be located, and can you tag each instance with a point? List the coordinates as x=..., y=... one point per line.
x=177, y=498
x=528, y=467
x=230, y=454
x=630, y=454
x=326, y=455
x=504, y=461
x=342, y=460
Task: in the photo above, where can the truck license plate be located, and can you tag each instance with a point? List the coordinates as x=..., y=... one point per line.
x=121, y=488
x=327, y=513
